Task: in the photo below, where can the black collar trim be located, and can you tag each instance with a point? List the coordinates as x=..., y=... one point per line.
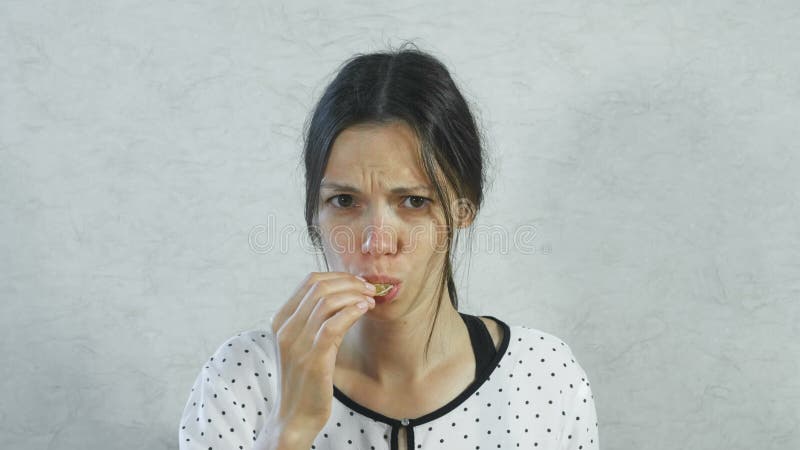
x=451, y=405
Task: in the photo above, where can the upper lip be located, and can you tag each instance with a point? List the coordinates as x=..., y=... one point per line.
x=379, y=278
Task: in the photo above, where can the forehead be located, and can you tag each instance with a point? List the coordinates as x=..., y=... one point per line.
x=389, y=152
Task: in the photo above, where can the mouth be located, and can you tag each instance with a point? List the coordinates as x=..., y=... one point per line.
x=380, y=279
x=387, y=296
x=383, y=288
x=386, y=286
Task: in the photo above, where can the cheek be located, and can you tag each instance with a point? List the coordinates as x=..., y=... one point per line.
x=342, y=239
x=441, y=238
x=411, y=233
x=427, y=237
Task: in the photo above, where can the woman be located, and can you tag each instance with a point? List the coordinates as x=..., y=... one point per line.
x=394, y=168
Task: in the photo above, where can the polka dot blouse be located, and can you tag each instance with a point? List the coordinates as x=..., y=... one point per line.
x=535, y=395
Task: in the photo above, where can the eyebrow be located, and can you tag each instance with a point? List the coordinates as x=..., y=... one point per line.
x=395, y=191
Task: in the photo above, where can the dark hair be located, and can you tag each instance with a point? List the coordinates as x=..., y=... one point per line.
x=414, y=87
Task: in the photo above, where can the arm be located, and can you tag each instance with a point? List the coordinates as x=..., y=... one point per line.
x=580, y=431
x=232, y=396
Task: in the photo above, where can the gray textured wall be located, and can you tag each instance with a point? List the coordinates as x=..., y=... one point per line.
x=651, y=145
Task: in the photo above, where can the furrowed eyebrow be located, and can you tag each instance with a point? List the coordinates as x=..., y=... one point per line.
x=395, y=191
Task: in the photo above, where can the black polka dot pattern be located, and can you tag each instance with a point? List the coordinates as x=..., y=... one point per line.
x=536, y=396
x=232, y=395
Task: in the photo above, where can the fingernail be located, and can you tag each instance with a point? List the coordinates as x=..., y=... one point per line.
x=362, y=279
x=362, y=305
x=371, y=286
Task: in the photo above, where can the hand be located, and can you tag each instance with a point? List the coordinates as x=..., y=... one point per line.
x=309, y=329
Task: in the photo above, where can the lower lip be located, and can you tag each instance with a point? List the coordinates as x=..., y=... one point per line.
x=379, y=300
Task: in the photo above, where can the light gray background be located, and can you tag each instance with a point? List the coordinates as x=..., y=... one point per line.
x=651, y=145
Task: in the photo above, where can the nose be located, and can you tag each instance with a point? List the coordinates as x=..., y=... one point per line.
x=379, y=236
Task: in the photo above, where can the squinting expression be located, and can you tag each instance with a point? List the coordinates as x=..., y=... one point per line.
x=377, y=212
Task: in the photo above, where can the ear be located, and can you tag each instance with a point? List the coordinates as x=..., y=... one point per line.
x=464, y=223
x=464, y=212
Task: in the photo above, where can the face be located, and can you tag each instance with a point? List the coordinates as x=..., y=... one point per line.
x=378, y=214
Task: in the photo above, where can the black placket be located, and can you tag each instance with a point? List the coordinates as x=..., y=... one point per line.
x=409, y=427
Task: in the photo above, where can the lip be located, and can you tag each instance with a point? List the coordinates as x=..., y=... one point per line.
x=382, y=299
x=380, y=278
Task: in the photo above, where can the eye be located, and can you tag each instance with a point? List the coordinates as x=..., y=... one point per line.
x=418, y=202
x=345, y=200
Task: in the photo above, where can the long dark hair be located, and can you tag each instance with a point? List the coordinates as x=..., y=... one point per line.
x=414, y=87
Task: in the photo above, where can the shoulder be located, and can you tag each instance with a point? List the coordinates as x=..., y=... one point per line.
x=261, y=341
x=540, y=342
x=533, y=346
x=245, y=349
x=526, y=334
x=520, y=333
x=547, y=354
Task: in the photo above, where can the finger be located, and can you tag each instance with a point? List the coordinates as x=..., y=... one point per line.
x=288, y=308
x=295, y=324
x=329, y=305
x=330, y=334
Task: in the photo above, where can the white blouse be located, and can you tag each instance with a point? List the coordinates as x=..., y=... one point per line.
x=535, y=395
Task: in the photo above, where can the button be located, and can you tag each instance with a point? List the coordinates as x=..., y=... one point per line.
x=404, y=422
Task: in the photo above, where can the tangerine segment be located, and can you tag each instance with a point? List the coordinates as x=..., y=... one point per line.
x=382, y=288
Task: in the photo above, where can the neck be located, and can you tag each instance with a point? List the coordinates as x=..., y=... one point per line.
x=392, y=351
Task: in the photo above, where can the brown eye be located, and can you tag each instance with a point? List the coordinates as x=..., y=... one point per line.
x=417, y=202
x=345, y=200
